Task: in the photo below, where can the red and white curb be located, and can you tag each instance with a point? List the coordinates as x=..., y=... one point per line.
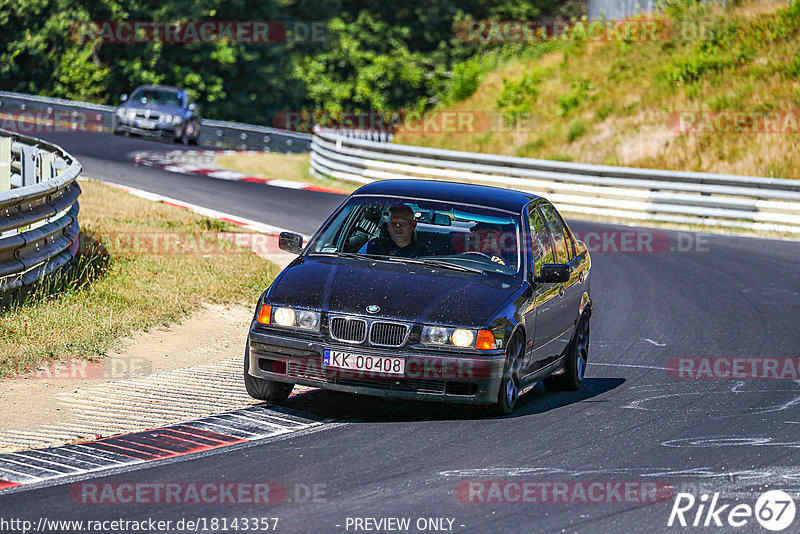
x=204, y=163
x=208, y=433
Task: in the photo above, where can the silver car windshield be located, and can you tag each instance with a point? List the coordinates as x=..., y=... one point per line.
x=160, y=98
x=399, y=228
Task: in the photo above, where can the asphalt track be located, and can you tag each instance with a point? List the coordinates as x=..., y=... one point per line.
x=693, y=295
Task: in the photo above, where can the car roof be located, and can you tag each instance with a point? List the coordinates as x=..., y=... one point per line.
x=480, y=195
x=167, y=88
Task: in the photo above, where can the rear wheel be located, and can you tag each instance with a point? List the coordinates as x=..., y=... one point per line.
x=575, y=366
x=510, y=385
x=262, y=389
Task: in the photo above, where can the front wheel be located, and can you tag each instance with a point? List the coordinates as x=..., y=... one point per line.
x=510, y=384
x=262, y=389
x=575, y=366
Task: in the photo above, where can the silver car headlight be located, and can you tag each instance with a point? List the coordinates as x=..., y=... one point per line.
x=130, y=114
x=439, y=335
x=120, y=112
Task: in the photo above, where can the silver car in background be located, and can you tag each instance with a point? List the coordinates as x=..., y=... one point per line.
x=159, y=110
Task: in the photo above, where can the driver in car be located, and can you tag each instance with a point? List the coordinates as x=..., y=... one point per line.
x=401, y=241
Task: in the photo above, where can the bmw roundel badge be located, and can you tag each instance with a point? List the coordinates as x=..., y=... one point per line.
x=373, y=308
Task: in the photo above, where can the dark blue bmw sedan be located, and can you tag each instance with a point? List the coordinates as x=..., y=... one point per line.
x=418, y=289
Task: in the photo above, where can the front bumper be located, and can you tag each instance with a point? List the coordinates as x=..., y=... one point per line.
x=159, y=128
x=429, y=375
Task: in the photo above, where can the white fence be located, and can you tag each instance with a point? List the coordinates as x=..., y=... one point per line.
x=761, y=204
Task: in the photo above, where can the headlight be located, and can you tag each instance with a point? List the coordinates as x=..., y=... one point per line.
x=285, y=316
x=457, y=337
x=462, y=337
x=305, y=319
x=130, y=114
x=120, y=112
x=435, y=335
x=172, y=119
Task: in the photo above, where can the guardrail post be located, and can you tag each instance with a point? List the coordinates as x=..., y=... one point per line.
x=5, y=163
x=46, y=171
x=28, y=165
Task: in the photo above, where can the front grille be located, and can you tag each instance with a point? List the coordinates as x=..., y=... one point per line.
x=145, y=115
x=348, y=330
x=387, y=334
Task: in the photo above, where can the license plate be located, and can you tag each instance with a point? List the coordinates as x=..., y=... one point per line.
x=145, y=124
x=357, y=362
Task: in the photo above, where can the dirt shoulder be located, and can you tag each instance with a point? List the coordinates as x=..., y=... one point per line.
x=48, y=407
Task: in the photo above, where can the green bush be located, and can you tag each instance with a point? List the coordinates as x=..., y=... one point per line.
x=517, y=98
x=578, y=95
x=792, y=69
x=466, y=78
x=576, y=129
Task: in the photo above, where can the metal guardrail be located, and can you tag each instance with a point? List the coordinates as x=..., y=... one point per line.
x=221, y=134
x=754, y=203
x=38, y=210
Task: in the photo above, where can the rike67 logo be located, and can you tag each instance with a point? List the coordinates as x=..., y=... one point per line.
x=774, y=510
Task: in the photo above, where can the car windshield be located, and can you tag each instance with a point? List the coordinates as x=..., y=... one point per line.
x=161, y=98
x=464, y=237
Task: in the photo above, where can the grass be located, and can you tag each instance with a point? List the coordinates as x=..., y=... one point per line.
x=142, y=264
x=294, y=167
x=612, y=101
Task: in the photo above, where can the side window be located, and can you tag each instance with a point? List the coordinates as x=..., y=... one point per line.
x=569, y=236
x=557, y=231
x=540, y=240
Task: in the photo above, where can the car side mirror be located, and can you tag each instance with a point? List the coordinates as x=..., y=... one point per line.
x=290, y=242
x=554, y=273
x=123, y=98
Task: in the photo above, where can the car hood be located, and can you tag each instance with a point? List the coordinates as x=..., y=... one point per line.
x=406, y=292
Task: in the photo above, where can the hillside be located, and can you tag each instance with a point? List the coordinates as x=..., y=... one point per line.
x=717, y=89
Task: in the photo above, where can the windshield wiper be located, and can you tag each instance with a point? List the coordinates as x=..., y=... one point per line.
x=437, y=263
x=400, y=259
x=355, y=256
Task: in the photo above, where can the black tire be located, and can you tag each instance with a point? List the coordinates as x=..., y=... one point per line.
x=575, y=366
x=508, y=393
x=195, y=135
x=261, y=389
